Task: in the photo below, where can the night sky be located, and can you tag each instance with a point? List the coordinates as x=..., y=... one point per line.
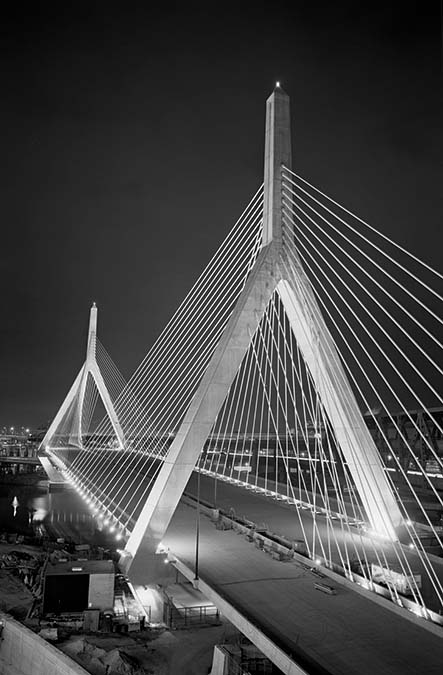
x=133, y=138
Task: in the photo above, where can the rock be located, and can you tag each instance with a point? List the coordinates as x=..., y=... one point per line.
x=50, y=634
x=120, y=663
x=100, y=662
x=94, y=665
x=94, y=651
x=75, y=645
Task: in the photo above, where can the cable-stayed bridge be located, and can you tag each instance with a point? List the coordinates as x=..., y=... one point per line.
x=304, y=365
x=98, y=380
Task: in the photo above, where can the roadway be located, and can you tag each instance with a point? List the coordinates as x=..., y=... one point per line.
x=53, y=471
x=341, y=634
x=289, y=522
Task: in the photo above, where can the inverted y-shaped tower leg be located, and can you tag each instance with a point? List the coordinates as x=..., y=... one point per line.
x=272, y=271
x=70, y=397
x=78, y=390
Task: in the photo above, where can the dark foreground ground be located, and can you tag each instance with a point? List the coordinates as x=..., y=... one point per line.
x=157, y=652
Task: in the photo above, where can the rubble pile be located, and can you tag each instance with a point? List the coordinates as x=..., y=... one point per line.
x=100, y=662
x=20, y=580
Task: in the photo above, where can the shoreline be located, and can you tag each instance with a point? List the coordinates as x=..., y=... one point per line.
x=30, y=479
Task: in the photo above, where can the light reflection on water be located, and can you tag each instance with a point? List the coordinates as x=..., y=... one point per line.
x=62, y=514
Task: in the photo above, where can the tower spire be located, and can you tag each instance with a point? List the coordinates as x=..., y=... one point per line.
x=277, y=152
x=92, y=333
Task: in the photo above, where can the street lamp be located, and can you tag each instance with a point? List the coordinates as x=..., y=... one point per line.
x=215, y=490
x=197, y=528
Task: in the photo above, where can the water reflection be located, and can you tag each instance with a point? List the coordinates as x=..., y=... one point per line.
x=58, y=514
x=14, y=505
x=39, y=508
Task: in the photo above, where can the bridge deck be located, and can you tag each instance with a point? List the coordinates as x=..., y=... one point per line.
x=283, y=520
x=34, y=461
x=339, y=634
x=54, y=474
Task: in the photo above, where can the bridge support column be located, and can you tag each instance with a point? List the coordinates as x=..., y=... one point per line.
x=198, y=421
x=273, y=272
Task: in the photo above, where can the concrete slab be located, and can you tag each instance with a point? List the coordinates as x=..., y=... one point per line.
x=342, y=634
x=285, y=520
x=185, y=595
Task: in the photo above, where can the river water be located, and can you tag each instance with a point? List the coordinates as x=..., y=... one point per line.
x=60, y=514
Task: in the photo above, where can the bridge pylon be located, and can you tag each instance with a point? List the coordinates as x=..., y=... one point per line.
x=273, y=272
x=70, y=415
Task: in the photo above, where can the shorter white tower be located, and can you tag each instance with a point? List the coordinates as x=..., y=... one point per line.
x=73, y=404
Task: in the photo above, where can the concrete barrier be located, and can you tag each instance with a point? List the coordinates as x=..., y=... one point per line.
x=293, y=550
x=22, y=652
x=283, y=661
x=325, y=588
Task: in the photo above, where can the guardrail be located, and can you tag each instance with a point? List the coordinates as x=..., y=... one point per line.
x=285, y=550
x=189, y=617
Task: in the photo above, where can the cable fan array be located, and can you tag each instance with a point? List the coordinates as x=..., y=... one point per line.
x=84, y=415
x=273, y=434
x=155, y=399
x=385, y=321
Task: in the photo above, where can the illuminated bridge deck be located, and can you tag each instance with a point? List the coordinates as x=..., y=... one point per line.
x=283, y=520
x=340, y=634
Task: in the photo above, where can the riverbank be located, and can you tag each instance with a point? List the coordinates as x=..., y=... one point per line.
x=36, y=479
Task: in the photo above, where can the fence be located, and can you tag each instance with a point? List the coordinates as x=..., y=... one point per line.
x=188, y=617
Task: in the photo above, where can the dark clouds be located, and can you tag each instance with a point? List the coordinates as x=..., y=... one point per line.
x=133, y=137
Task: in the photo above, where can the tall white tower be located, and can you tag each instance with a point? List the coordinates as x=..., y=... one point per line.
x=274, y=271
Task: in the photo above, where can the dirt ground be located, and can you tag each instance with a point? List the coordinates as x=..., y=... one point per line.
x=15, y=598
x=158, y=651
x=162, y=652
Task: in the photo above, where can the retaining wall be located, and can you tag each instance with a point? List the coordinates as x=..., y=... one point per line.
x=22, y=652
